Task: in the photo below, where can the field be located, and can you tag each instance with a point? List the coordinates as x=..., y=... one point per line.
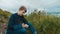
x=44, y=24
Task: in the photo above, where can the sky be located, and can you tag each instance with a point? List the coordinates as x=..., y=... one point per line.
x=13, y=5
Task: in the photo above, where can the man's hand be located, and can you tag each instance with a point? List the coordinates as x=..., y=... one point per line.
x=25, y=25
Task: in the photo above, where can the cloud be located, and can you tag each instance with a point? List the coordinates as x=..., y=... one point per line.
x=13, y=5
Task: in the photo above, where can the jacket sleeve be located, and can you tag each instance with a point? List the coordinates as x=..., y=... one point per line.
x=30, y=26
x=12, y=25
x=11, y=22
x=33, y=30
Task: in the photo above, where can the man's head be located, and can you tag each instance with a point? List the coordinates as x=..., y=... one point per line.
x=22, y=10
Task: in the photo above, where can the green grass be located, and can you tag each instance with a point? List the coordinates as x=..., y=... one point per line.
x=46, y=24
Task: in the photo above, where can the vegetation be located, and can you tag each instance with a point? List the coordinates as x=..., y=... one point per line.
x=44, y=24
x=4, y=16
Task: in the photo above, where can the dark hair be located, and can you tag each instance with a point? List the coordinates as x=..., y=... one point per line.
x=23, y=8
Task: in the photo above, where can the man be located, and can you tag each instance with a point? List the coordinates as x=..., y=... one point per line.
x=18, y=24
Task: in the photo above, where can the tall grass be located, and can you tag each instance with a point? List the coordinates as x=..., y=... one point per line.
x=45, y=24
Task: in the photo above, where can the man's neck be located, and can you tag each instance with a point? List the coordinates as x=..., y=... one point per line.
x=19, y=14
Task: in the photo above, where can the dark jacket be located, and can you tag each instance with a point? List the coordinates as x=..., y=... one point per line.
x=15, y=26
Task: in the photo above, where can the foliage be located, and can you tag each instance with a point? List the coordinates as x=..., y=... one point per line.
x=44, y=24
x=4, y=16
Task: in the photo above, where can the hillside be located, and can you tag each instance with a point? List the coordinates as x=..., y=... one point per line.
x=44, y=24
x=4, y=16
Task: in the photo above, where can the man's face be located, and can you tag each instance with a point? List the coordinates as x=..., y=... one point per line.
x=21, y=12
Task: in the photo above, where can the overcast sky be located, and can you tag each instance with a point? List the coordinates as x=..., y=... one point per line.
x=13, y=5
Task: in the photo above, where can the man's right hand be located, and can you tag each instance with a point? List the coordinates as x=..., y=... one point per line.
x=25, y=25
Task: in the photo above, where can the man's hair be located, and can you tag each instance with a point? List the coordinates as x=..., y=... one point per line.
x=23, y=8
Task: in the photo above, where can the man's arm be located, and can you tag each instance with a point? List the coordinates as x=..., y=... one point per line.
x=11, y=22
x=30, y=26
x=12, y=25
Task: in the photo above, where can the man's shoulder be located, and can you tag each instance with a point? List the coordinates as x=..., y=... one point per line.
x=13, y=15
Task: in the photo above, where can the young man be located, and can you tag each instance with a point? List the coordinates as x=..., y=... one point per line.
x=18, y=24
